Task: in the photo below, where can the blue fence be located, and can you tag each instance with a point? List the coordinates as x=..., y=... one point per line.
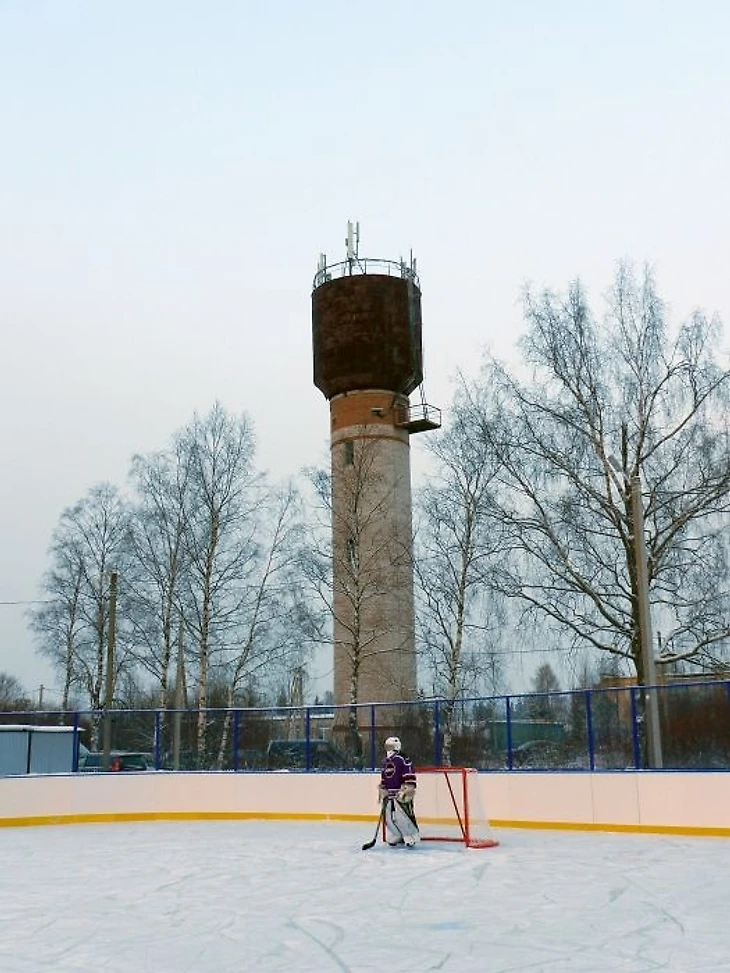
x=586, y=730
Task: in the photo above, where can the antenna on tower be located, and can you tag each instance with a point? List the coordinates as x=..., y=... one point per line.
x=323, y=274
x=352, y=241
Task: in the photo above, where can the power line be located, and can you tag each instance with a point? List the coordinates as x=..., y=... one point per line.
x=37, y=601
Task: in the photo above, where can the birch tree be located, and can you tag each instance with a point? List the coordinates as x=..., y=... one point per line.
x=458, y=543
x=157, y=546
x=88, y=544
x=222, y=496
x=58, y=623
x=268, y=635
x=604, y=402
x=352, y=565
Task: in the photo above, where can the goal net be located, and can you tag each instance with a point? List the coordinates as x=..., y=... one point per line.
x=450, y=806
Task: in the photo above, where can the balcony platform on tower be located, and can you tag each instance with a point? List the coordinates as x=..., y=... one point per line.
x=419, y=418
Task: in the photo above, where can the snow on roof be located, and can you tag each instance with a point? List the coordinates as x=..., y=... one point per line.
x=37, y=729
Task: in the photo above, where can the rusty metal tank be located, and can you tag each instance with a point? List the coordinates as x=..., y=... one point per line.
x=366, y=330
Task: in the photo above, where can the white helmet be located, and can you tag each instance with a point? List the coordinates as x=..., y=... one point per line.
x=392, y=745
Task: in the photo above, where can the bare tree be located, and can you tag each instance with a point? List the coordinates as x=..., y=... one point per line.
x=88, y=544
x=222, y=496
x=58, y=623
x=12, y=695
x=237, y=592
x=545, y=680
x=545, y=704
x=458, y=609
x=606, y=403
x=268, y=633
x=356, y=568
x=156, y=539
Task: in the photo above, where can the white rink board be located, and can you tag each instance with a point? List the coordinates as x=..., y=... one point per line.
x=691, y=803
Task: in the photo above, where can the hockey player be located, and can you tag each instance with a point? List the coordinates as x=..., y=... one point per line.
x=396, y=791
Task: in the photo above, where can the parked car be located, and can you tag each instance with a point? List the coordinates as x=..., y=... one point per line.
x=292, y=754
x=83, y=754
x=93, y=762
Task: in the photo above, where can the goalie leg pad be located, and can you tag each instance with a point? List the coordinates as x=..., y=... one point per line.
x=400, y=824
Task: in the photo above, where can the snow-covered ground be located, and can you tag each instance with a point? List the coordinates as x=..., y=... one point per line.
x=259, y=897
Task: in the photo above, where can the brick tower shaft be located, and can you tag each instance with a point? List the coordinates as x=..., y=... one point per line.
x=374, y=626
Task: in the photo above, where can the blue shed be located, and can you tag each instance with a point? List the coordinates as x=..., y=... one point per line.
x=26, y=749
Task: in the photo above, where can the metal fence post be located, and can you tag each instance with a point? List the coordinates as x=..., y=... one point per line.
x=158, y=718
x=372, y=738
x=589, y=730
x=635, y=728
x=436, y=734
x=77, y=741
x=508, y=728
x=236, y=739
x=308, y=737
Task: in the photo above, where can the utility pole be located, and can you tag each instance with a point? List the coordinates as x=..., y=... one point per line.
x=651, y=704
x=109, y=688
x=179, y=683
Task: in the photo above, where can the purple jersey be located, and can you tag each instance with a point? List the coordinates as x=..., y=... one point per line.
x=396, y=771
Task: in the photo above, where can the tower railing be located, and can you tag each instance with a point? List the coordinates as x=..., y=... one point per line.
x=357, y=266
x=420, y=417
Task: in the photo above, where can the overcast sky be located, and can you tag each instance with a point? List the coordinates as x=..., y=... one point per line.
x=170, y=172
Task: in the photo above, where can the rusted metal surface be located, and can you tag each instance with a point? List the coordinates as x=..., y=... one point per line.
x=366, y=334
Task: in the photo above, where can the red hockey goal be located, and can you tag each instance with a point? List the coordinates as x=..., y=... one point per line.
x=450, y=806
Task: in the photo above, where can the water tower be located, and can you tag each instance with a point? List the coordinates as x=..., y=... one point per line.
x=368, y=359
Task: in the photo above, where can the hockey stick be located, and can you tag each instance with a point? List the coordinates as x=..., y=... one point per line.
x=369, y=844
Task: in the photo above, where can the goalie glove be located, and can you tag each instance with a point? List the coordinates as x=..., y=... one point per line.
x=382, y=793
x=406, y=794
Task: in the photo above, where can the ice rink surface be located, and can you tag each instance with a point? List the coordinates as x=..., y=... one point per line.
x=261, y=897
